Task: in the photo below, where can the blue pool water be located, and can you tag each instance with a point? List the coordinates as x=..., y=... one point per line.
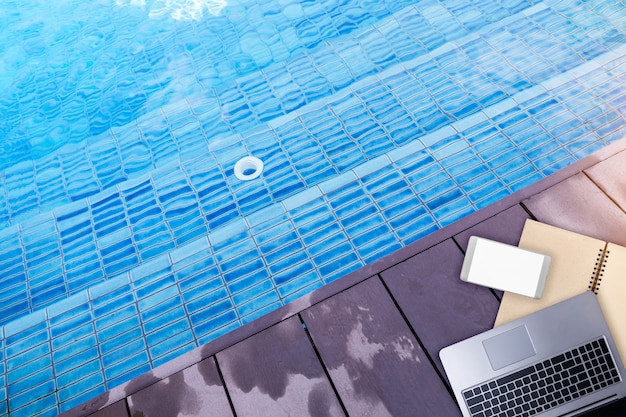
x=126, y=238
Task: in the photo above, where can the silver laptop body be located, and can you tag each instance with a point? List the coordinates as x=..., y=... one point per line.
x=568, y=347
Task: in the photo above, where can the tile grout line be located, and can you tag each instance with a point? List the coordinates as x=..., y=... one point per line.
x=322, y=364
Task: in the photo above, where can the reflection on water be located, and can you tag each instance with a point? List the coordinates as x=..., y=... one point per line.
x=178, y=9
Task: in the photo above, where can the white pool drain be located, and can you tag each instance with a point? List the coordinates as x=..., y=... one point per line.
x=248, y=168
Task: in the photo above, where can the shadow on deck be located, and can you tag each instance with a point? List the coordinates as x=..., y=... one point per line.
x=367, y=344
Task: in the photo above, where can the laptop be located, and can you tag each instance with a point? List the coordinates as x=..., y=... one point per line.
x=559, y=361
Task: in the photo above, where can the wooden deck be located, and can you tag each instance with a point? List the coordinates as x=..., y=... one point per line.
x=367, y=344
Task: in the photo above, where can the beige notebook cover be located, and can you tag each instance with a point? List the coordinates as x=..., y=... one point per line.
x=579, y=263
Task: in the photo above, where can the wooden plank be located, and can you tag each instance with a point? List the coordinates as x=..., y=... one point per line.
x=195, y=391
x=439, y=306
x=610, y=176
x=374, y=360
x=117, y=409
x=504, y=227
x=277, y=373
x=577, y=204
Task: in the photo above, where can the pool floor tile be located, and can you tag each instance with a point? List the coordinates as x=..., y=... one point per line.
x=378, y=126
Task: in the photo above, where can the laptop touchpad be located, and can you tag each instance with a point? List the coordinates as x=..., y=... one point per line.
x=509, y=347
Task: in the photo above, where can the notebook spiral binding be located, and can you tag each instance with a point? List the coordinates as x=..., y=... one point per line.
x=598, y=270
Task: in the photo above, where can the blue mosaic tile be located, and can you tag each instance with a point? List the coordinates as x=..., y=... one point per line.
x=254, y=308
x=175, y=347
x=456, y=207
x=165, y=306
x=455, y=35
x=3, y=400
x=216, y=311
x=32, y=395
x=82, y=397
x=120, y=360
x=259, y=312
x=115, y=312
x=69, y=355
x=172, y=347
x=158, y=341
x=18, y=339
x=78, y=319
x=247, y=277
x=299, y=287
x=88, y=380
x=122, y=372
x=207, y=299
x=218, y=326
x=104, y=292
x=521, y=178
x=339, y=267
x=379, y=135
x=114, y=337
x=36, y=370
x=593, y=146
x=195, y=274
x=38, y=399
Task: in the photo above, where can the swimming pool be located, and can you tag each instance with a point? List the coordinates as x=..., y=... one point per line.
x=127, y=240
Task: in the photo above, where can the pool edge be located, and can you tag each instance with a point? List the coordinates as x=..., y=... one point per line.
x=190, y=358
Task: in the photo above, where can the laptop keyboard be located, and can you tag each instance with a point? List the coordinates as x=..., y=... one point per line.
x=545, y=385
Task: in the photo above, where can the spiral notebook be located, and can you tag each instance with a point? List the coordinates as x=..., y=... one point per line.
x=579, y=263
